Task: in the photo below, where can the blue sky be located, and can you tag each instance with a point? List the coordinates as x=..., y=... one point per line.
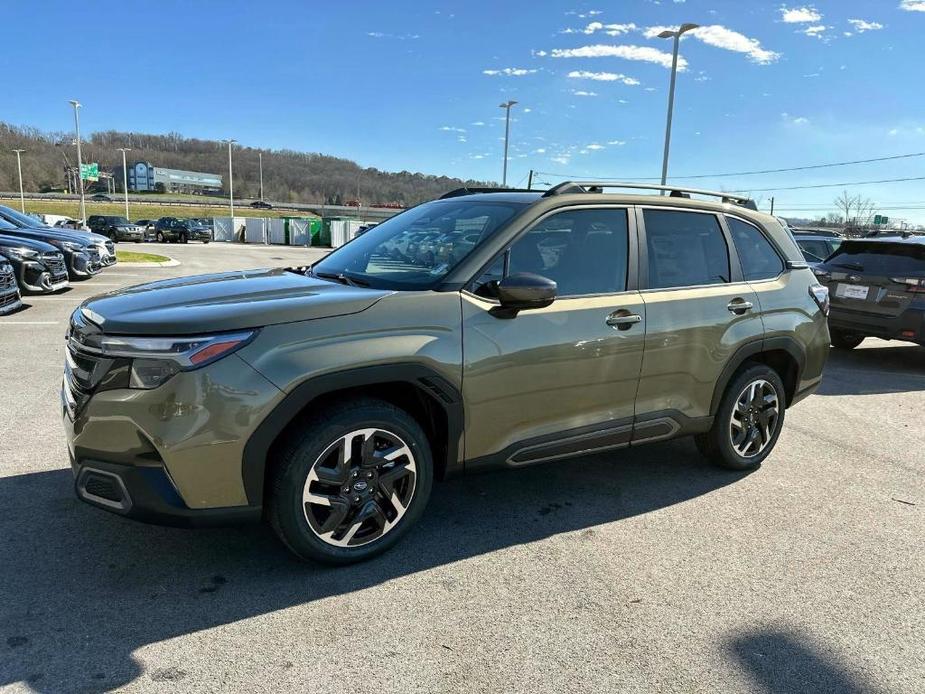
x=416, y=85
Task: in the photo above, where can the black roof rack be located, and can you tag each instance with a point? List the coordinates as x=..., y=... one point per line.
x=573, y=187
x=472, y=191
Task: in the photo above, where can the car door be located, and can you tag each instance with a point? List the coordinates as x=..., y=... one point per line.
x=559, y=380
x=699, y=311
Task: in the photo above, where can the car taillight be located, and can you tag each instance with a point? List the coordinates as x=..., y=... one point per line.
x=822, y=274
x=820, y=295
x=913, y=284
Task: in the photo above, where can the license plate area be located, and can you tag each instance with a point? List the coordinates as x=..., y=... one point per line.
x=851, y=291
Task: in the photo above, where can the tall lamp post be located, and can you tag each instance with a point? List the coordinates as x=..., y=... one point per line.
x=230, y=183
x=507, y=133
x=260, y=161
x=125, y=177
x=22, y=198
x=676, y=35
x=80, y=178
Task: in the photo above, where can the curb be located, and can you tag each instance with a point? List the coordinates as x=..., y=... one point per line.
x=169, y=263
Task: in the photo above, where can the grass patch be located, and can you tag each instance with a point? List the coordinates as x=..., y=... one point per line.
x=134, y=257
x=71, y=208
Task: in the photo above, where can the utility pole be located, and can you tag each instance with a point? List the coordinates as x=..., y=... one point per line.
x=230, y=185
x=676, y=35
x=260, y=160
x=772, y=204
x=507, y=133
x=124, y=177
x=80, y=178
x=22, y=198
x=530, y=180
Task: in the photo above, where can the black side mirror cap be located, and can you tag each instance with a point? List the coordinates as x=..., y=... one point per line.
x=523, y=291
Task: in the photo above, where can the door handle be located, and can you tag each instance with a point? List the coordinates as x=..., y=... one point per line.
x=739, y=306
x=623, y=319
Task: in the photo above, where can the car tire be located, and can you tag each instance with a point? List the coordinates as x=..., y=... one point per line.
x=159, y=237
x=748, y=422
x=183, y=238
x=843, y=340
x=392, y=497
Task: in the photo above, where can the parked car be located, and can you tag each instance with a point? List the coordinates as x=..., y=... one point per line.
x=261, y=205
x=10, y=300
x=815, y=246
x=329, y=400
x=115, y=228
x=147, y=226
x=39, y=267
x=81, y=250
x=101, y=197
x=877, y=287
x=171, y=229
x=75, y=224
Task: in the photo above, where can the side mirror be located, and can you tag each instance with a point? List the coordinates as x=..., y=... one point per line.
x=523, y=291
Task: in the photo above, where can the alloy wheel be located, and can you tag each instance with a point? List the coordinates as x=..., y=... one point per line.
x=359, y=488
x=754, y=418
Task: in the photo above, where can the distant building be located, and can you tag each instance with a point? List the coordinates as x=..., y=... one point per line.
x=143, y=177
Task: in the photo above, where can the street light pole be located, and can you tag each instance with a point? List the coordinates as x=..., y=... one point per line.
x=22, y=198
x=676, y=35
x=507, y=133
x=260, y=160
x=125, y=177
x=80, y=179
x=230, y=183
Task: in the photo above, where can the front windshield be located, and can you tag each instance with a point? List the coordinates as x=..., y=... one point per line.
x=23, y=220
x=117, y=220
x=418, y=248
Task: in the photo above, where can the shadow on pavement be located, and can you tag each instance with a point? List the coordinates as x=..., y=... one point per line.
x=781, y=662
x=893, y=369
x=81, y=590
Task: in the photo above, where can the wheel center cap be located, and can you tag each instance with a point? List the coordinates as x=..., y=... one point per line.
x=360, y=486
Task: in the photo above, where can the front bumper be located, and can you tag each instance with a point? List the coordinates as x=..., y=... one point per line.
x=908, y=326
x=83, y=264
x=177, y=450
x=35, y=277
x=10, y=301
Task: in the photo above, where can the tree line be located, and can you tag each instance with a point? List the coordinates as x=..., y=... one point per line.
x=288, y=176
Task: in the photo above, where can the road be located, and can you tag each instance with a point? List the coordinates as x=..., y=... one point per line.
x=644, y=570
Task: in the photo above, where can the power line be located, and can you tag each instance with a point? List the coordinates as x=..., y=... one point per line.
x=808, y=167
x=831, y=185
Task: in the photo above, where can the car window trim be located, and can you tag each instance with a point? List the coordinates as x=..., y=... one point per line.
x=735, y=270
x=632, y=269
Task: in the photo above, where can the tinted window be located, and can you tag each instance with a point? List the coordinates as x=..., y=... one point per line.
x=817, y=248
x=583, y=251
x=879, y=258
x=685, y=249
x=757, y=256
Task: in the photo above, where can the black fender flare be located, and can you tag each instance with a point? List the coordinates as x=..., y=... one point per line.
x=751, y=349
x=430, y=383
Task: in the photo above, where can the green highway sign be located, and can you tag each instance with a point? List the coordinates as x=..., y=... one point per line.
x=881, y=219
x=90, y=172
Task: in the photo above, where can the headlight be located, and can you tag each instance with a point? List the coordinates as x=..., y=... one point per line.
x=21, y=253
x=72, y=246
x=6, y=267
x=154, y=360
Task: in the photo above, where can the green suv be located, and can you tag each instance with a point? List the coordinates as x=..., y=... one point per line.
x=327, y=399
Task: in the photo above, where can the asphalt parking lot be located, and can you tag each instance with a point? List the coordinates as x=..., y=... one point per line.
x=641, y=570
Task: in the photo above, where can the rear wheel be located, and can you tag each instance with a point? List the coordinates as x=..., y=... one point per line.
x=159, y=237
x=843, y=340
x=350, y=484
x=183, y=238
x=748, y=421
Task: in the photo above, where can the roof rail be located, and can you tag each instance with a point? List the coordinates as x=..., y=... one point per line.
x=458, y=192
x=571, y=187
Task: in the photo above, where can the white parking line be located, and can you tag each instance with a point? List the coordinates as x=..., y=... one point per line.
x=28, y=322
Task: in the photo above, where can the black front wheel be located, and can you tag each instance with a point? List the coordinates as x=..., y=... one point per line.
x=349, y=485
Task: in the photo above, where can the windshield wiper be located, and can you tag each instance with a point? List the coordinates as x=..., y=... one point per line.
x=850, y=266
x=341, y=277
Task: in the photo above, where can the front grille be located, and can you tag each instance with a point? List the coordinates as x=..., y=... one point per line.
x=7, y=280
x=84, y=369
x=55, y=264
x=10, y=299
x=94, y=254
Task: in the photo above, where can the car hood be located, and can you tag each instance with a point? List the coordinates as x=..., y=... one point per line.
x=51, y=234
x=23, y=242
x=224, y=301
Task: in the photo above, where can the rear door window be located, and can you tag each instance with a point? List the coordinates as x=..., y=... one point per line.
x=685, y=249
x=880, y=258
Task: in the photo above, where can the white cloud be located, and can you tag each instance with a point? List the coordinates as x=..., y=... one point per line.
x=479, y=123
x=582, y=92
x=912, y=5
x=561, y=160
x=616, y=143
x=643, y=53
x=541, y=150
x=800, y=15
x=509, y=72
x=815, y=31
x=720, y=37
x=539, y=54
x=527, y=110
x=894, y=131
x=452, y=129
x=594, y=146
x=609, y=29
x=592, y=27
x=603, y=77
x=862, y=25
x=400, y=37
x=795, y=120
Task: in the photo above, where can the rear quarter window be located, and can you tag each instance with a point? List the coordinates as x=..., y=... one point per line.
x=757, y=256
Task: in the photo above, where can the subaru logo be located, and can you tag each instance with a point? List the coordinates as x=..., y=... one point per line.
x=360, y=486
